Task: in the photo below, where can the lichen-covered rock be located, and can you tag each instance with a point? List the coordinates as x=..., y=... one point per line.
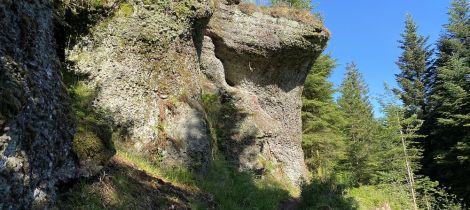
x=151, y=65
x=36, y=121
x=262, y=63
x=143, y=62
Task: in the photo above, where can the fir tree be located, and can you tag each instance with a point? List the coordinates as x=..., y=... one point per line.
x=449, y=139
x=416, y=73
x=355, y=105
x=447, y=151
x=455, y=40
x=322, y=138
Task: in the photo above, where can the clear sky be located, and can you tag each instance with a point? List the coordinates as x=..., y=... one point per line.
x=367, y=32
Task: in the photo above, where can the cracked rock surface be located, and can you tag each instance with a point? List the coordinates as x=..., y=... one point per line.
x=36, y=121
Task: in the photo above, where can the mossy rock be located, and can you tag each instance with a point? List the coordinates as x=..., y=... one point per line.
x=125, y=10
x=93, y=145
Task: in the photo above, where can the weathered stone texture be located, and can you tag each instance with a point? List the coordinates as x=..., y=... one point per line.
x=145, y=67
x=36, y=122
x=264, y=62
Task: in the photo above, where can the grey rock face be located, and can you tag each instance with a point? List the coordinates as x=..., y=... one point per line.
x=262, y=63
x=145, y=67
x=36, y=122
x=151, y=63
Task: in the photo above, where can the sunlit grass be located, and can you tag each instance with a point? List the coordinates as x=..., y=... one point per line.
x=231, y=189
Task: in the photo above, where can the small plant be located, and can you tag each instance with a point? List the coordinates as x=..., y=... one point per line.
x=300, y=15
x=298, y=4
x=248, y=8
x=125, y=10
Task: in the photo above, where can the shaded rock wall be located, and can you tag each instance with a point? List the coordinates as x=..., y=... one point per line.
x=36, y=122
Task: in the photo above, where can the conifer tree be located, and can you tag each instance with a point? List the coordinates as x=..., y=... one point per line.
x=447, y=154
x=416, y=73
x=322, y=137
x=359, y=122
x=455, y=40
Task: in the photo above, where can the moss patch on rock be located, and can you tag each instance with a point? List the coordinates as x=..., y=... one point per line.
x=125, y=10
x=93, y=138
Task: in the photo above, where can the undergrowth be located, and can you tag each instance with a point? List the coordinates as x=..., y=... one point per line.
x=231, y=189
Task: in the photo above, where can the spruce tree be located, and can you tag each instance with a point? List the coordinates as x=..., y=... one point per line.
x=359, y=122
x=416, y=74
x=447, y=151
x=322, y=138
x=449, y=139
x=455, y=41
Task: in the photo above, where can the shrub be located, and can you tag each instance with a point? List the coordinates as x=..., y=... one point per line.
x=298, y=4
x=303, y=16
x=248, y=8
x=325, y=194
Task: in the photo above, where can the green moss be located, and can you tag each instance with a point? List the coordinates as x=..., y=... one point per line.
x=93, y=138
x=125, y=10
x=97, y=3
x=183, y=8
x=88, y=146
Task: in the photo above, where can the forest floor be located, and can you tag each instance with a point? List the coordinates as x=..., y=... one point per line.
x=131, y=182
x=124, y=185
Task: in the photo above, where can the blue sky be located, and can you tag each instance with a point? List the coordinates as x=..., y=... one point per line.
x=367, y=31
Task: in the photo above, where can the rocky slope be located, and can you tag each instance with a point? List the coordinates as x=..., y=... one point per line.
x=173, y=81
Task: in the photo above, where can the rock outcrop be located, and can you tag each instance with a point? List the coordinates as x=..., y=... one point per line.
x=172, y=80
x=152, y=64
x=143, y=62
x=261, y=62
x=36, y=120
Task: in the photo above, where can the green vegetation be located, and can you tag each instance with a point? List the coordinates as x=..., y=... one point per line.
x=446, y=124
x=130, y=182
x=361, y=162
x=125, y=10
x=126, y=187
x=416, y=69
x=358, y=129
x=298, y=4
x=373, y=196
x=326, y=194
x=322, y=139
x=92, y=141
